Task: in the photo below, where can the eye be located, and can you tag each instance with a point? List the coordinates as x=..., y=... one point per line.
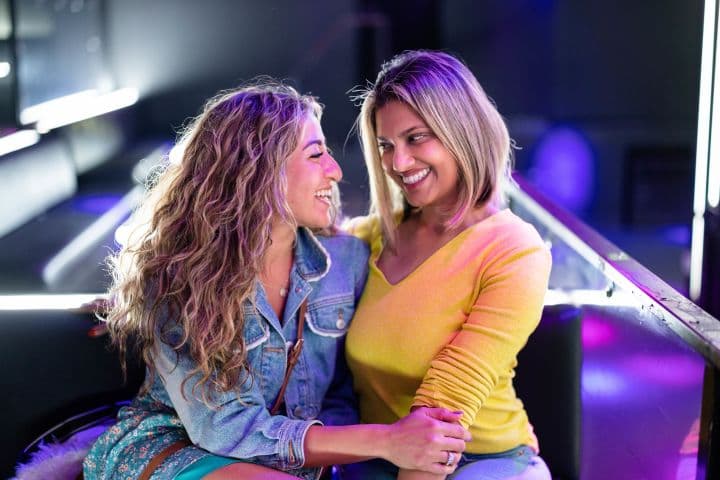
x=384, y=146
x=418, y=137
x=319, y=151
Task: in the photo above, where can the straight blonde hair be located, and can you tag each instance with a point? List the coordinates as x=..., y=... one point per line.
x=447, y=96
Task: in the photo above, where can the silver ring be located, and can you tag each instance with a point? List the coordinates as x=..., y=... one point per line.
x=451, y=459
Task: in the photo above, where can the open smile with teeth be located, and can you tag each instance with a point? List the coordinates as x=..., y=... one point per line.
x=324, y=195
x=415, y=177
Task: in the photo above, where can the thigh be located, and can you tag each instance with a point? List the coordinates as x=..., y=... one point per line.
x=524, y=465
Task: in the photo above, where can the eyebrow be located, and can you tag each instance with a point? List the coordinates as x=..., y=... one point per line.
x=406, y=131
x=317, y=141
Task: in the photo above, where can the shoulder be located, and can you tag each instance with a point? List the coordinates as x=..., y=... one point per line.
x=348, y=267
x=345, y=248
x=505, y=239
x=367, y=228
x=512, y=232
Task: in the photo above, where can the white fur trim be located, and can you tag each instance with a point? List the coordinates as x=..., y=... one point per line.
x=59, y=461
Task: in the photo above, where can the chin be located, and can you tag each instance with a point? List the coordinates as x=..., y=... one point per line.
x=316, y=224
x=415, y=203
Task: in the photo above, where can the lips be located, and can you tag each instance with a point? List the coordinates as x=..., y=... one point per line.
x=415, y=177
x=324, y=195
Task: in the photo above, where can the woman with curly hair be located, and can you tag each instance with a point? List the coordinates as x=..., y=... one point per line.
x=237, y=296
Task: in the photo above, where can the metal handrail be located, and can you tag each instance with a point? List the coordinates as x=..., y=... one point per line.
x=696, y=327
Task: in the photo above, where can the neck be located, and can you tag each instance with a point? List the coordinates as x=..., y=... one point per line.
x=281, y=247
x=277, y=265
x=435, y=218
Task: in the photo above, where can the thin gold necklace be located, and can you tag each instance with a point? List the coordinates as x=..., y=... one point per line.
x=281, y=289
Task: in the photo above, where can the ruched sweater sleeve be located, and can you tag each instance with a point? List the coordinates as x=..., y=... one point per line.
x=510, y=288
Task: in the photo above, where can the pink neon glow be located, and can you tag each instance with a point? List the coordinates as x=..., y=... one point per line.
x=596, y=332
x=677, y=370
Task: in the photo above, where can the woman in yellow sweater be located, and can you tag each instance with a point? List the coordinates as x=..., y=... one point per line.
x=456, y=281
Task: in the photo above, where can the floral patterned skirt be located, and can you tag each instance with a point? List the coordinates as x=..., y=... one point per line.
x=144, y=429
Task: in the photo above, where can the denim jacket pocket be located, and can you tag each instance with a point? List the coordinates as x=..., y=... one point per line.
x=330, y=316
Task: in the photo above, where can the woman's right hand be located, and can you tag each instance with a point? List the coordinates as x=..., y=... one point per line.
x=422, y=440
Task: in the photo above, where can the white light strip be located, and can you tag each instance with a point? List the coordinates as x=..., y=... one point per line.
x=87, y=108
x=47, y=302
x=4, y=69
x=696, y=257
x=704, y=107
x=702, y=148
x=76, y=301
x=714, y=157
x=17, y=140
x=91, y=236
x=579, y=297
x=55, y=107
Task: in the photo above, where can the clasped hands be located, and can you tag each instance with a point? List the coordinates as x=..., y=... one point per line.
x=428, y=439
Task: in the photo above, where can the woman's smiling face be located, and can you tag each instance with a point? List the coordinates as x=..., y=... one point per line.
x=415, y=158
x=311, y=172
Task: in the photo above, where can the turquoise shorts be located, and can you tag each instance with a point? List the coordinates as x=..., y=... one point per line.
x=202, y=467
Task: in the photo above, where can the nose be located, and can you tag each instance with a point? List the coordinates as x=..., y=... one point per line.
x=332, y=168
x=401, y=159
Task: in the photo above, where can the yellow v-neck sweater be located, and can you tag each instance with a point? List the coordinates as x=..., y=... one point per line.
x=449, y=333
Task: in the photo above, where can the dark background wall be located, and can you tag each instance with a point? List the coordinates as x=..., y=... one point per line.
x=621, y=72
x=600, y=97
x=620, y=77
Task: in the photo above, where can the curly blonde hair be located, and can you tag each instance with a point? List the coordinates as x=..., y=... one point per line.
x=446, y=95
x=209, y=217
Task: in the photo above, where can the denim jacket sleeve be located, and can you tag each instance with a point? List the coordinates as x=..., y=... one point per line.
x=232, y=426
x=340, y=405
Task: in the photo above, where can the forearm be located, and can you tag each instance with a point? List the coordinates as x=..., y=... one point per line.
x=418, y=475
x=344, y=444
x=418, y=441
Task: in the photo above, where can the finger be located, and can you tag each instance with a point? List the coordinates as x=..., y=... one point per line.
x=451, y=445
x=456, y=431
x=449, y=470
x=439, y=469
x=443, y=414
x=452, y=462
x=443, y=456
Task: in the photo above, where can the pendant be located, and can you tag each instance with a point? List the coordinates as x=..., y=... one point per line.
x=283, y=292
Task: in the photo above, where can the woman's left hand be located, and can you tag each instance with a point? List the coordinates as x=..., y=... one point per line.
x=422, y=440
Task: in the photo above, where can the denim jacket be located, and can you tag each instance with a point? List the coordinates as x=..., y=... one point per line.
x=330, y=272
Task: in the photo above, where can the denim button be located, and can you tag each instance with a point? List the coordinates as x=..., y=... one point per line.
x=340, y=323
x=298, y=411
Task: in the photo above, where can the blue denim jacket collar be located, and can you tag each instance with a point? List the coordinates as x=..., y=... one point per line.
x=311, y=258
x=312, y=262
